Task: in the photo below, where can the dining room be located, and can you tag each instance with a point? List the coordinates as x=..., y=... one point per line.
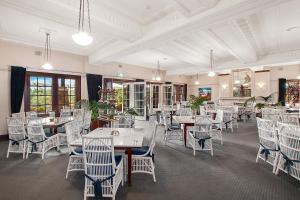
x=150, y=99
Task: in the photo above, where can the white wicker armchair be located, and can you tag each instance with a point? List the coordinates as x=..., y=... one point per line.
x=268, y=144
x=38, y=142
x=290, y=118
x=143, y=158
x=103, y=170
x=87, y=122
x=289, y=143
x=217, y=127
x=19, y=115
x=172, y=131
x=200, y=136
x=17, y=136
x=76, y=155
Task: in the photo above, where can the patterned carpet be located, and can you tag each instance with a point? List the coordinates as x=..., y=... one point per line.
x=231, y=174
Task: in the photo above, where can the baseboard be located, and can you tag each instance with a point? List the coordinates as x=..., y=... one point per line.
x=3, y=137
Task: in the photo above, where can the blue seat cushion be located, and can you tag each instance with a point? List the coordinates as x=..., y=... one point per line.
x=174, y=127
x=77, y=150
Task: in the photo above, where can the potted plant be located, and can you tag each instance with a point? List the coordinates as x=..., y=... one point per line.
x=195, y=102
x=94, y=106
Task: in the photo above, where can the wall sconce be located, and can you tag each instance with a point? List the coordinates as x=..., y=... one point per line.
x=234, y=88
x=260, y=84
x=224, y=86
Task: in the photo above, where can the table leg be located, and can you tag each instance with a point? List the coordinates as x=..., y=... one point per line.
x=129, y=160
x=171, y=116
x=184, y=133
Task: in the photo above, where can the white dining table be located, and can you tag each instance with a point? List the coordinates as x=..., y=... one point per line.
x=126, y=139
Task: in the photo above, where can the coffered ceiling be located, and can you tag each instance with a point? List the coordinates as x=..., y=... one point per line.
x=180, y=33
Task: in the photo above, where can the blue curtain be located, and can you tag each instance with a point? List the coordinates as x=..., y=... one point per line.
x=93, y=83
x=17, y=83
x=282, y=91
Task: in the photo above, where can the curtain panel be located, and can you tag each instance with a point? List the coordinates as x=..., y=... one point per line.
x=17, y=84
x=93, y=83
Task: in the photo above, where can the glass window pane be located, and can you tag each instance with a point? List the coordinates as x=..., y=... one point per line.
x=67, y=82
x=41, y=100
x=33, y=90
x=41, y=81
x=72, y=83
x=48, y=108
x=72, y=91
x=33, y=108
x=33, y=100
x=48, y=90
x=41, y=109
x=33, y=80
x=48, y=100
x=72, y=99
x=41, y=91
x=48, y=81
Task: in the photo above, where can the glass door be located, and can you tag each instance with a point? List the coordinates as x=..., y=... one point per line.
x=126, y=97
x=167, y=95
x=154, y=96
x=139, y=90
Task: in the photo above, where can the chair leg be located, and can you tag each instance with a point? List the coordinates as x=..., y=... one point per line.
x=7, y=154
x=153, y=173
x=257, y=157
x=67, y=173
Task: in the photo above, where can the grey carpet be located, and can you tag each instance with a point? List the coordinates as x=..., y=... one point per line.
x=231, y=174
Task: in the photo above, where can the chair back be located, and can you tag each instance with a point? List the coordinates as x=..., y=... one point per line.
x=99, y=161
x=65, y=113
x=290, y=118
x=152, y=143
x=16, y=128
x=35, y=130
x=202, y=110
x=51, y=114
x=289, y=143
x=210, y=106
x=184, y=112
x=87, y=119
x=202, y=127
x=123, y=121
x=219, y=115
x=78, y=115
x=31, y=114
x=19, y=115
x=267, y=133
x=73, y=132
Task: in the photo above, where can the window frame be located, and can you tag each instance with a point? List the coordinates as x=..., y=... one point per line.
x=55, y=77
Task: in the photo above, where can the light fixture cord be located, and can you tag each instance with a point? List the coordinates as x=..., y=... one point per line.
x=47, y=53
x=79, y=19
x=82, y=24
x=89, y=16
x=211, y=60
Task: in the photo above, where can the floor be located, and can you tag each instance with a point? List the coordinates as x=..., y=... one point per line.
x=231, y=174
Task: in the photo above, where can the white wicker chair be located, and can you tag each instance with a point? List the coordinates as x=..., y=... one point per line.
x=216, y=131
x=123, y=121
x=38, y=142
x=76, y=155
x=19, y=115
x=87, y=122
x=289, y=143
x=103, y=170
x=143, y=158
x=290, y=118
x=172, y=131
x=227, y=120
x=202, y=110
x=268, y=143
x=184, y=112
x=17, y=136
x=31, y=114
x=200, y=136
x=65, y=114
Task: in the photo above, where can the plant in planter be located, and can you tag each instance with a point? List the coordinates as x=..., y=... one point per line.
x=195, y=102
x=94, y=107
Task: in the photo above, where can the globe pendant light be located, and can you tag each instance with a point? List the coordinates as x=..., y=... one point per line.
x=197, y=81
x=211, y=73
x=82, y=37
x=47, y=54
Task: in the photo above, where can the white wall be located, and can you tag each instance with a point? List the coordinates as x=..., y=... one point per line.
x=13, y=54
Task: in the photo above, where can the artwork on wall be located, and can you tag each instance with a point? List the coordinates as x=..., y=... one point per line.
x=205, y=93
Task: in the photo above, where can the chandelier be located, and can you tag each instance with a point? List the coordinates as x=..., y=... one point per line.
x=47, y=54
x=82, y=37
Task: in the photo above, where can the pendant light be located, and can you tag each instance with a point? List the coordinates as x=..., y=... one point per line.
x=82, y=37
x=157, y=76
x=197, y=81
x=211, y=73
x=47, y=54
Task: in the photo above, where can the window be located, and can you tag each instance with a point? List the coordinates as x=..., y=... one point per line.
x=51, y=92
x=40, y=94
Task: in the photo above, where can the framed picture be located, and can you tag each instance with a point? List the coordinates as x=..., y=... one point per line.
x=205, y=93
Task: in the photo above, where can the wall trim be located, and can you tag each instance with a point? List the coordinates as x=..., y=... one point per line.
x=223, y=74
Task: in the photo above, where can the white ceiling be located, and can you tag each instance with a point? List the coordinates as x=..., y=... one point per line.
x=180, y=33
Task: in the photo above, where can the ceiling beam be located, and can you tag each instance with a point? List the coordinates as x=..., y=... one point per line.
x=285, y=58
x=203, y=21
